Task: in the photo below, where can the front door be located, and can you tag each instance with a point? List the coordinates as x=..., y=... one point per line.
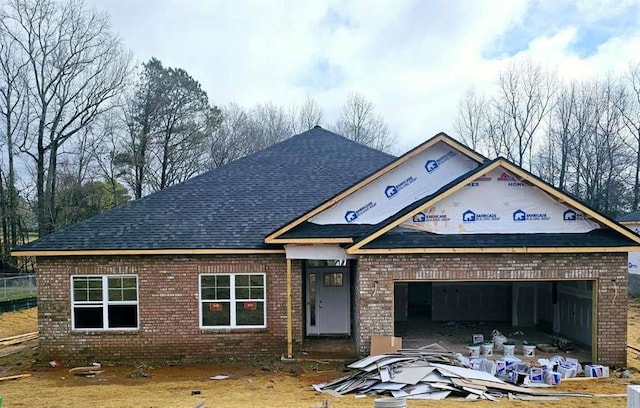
x=327, y=298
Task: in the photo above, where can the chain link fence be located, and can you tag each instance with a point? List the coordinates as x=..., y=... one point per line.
x=18, y=287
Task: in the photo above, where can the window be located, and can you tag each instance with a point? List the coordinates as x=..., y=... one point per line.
x=232, y=301
x=104, y=302
x=332, y=279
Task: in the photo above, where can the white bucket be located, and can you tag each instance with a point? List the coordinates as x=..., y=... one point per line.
x=487, y=349
x=529, y=350
x=390, y=403
x=508, y=349
x=474, y=350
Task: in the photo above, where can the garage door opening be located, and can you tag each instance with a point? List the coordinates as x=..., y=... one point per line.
x=541, y=312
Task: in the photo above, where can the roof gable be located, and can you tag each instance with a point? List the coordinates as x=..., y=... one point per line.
x=418, y=173
x=523, y=179
x=499, y=202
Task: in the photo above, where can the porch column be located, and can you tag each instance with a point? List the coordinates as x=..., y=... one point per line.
x=289, y=322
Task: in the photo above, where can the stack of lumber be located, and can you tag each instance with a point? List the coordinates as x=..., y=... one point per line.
x=430, y=372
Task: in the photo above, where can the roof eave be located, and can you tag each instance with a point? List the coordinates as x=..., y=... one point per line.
x=133, y=252
x=492, y=250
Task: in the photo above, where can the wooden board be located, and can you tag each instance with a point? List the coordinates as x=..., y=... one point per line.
x=15, y=377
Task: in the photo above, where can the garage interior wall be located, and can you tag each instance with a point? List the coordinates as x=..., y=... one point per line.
x=562, y=308
x=607, y=272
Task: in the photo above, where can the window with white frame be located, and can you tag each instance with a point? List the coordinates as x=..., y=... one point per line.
x=104, y=302
x=233, y=301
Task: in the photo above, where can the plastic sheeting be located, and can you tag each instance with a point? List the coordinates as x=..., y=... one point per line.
x=418, y=177
x=634, y=263
x=498, y=202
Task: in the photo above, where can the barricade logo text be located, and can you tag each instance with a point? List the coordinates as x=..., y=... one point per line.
x=468, y=216
x=432, y=165
x=351, y=215
x=571, y=215
x=521, y=216
x=419, y=217
x=391, y=190
x=471, y=216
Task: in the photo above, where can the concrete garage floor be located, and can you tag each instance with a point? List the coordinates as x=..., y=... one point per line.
x=455, y=336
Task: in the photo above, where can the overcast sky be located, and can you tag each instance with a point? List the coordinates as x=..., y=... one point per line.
x=413, y=59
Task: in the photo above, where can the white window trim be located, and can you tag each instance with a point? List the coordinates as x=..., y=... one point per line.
x=232, y=301
x=104, y=304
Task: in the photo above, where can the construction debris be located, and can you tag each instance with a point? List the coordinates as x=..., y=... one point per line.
x=432, y=372
x=87, y=371
x=21, y=338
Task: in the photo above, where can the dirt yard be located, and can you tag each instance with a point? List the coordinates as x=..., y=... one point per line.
x=273, y=384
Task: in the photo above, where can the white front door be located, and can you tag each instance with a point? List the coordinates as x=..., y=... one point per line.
x=328, y=301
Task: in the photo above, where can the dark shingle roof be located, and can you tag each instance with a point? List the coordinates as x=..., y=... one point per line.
x=233, y=206
x=311, y=230
x=632, y=216
x=402, y=238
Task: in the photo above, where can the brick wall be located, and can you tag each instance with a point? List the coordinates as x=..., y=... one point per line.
x=377, y=273
x=168, y=310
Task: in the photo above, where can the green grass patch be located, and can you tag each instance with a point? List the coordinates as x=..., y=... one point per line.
x=14, y=293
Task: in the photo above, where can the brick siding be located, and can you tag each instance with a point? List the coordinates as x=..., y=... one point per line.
x=168, y=302
x=376, y=274
x=168, y=311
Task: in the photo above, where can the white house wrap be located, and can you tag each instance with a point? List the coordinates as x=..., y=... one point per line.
x=419, y=177
x=498, y=202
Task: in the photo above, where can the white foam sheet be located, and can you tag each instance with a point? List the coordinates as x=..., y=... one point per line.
x=498, y=202
x=436, y=377
x=466, y=373
x=411, y=390
x=387, y=361
x=367, y=361
x=634, y=263
x=411, y=375
x=387, y=386
x=416, y=178
x=437, y=395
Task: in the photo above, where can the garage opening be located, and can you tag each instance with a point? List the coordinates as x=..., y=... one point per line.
x=539, y=312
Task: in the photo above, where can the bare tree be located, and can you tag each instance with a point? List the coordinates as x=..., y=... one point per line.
x=526, y=95
x=360, y=123
x=561, y=132
x=305, y=116
x=600, y=157
x=629, y=108
x=271, y=125
x=471, y=122
x=75, y=68
x=231, y=139
x=12, y=112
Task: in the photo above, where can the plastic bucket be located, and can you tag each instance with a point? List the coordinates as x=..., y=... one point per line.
x=487, y=349
x=508, y=349
x=474, y=350
x=529, y=350
x=390, y=403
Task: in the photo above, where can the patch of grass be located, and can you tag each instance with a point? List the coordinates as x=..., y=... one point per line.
x=15, y=293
